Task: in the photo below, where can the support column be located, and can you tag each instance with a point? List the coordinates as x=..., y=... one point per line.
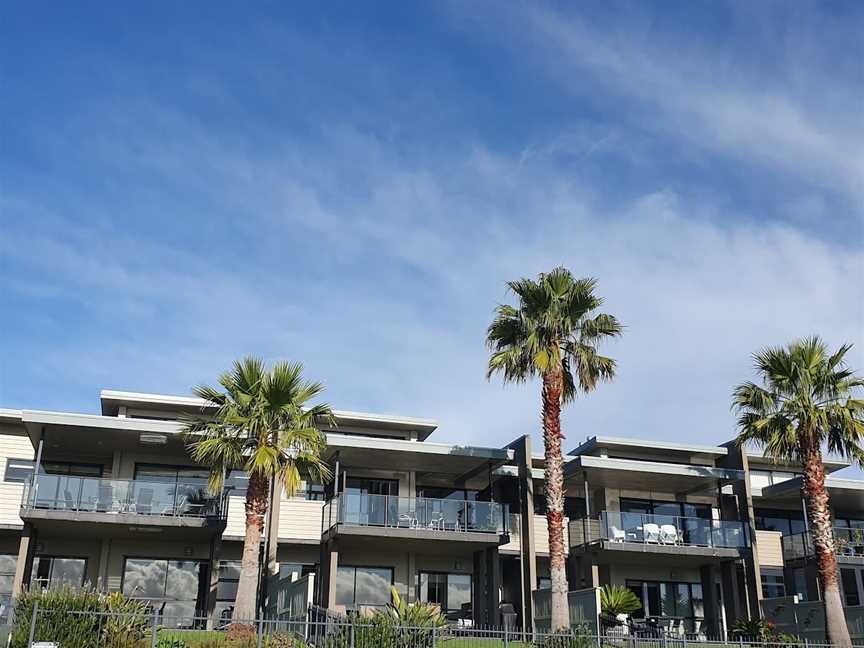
x=328, y=565
x=528, y=558
x=24, y=565
x=272, y=567
x=711, y=604
x=487, y=581
x=737, y=460
x=104, y=557
x=731, y=596
x=215, y=554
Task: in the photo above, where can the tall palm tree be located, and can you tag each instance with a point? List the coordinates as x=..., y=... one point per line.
x=553, y=333
x=805, y=404
x=263, y=426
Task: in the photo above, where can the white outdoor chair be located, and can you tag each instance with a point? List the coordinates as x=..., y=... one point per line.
x=651, y=532
x=409, y=518
x=669, y=534
x=618, y=535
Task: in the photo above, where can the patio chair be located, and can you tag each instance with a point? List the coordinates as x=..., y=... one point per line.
x=651, y=532
x=144, y=503
x=409, y=518
x=436, y=522
x=669, y=534
x=618, y=535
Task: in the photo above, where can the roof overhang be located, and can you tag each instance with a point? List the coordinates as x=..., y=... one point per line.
x=844, y=494
x=648, y=475
x=595, y=443
x=112, y=400
x=399, y=454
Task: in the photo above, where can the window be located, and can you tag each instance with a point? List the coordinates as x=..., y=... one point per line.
x=849, y=582
x=799, y=583
x=451, y=592
x=357, y=586
x=544, y=583
x=670, y=599
x=786, y=522
x=315, y=491
x=765, y=478
x=177, y=587
x=773, y=585
x=437, y=492
x=7, y=575
x=237, y=481
x=158, y=473
x=18, y=470
x=56, y=571
x=226, y=589
x=295, y=571
x=71, y=469
x=672, y=509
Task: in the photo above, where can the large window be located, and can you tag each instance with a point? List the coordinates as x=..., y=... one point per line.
x=226, y=590
x=295, y=571
x=359, y=586
x=176, y=587
x=451, y=592
x=58, y=571
x=786, y=522
x=7, y=575
x=674, y=509
x=773, y=585
x=439, y=492
x=849, y=584
x=670, y=599
x=765, y=478
x=18, y=470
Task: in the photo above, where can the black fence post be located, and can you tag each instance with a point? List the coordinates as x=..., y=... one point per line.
x=33, y=624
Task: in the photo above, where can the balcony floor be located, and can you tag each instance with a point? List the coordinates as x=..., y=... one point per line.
x=648, y=548
x=91, y=522
x=474, y=538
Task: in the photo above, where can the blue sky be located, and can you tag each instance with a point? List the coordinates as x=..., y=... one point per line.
x=351, y=185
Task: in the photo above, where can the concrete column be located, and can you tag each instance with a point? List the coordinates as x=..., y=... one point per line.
x=522, y=456
x=104, y=558
x=487, y=583
x=737, y=460
x=709, y=575
x=24, y=565
x=328, y=566
x=215, y=554
x=732, y=600
x=411, y=576
x=272, y=567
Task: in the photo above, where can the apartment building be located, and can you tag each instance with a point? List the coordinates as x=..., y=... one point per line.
x=700, y=533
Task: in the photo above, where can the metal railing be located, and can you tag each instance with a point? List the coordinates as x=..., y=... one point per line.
x=132, y=630
x=189, y=498
x=848, y=543
x=419, y=513
x=670, y=530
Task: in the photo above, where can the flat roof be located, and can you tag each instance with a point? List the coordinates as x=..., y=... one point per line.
x=630, y=443
x=10, y=415
x=112, y=399
x=835, y=463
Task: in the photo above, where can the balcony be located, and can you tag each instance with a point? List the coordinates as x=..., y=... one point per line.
x=414, y=517
x=661, y=534
x=122, y=501
x=848, y=545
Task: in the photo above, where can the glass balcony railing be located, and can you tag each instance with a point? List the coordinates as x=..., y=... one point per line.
x=670, y=530
x=848, y=543
x=419, y=513
x=189, y=498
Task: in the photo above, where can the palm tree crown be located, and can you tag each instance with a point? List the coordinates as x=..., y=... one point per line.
x=805, y=402
x=555, y=326
x=262, y=425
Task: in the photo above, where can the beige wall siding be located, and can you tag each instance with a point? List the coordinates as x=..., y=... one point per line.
x=14, y=443
x=300, y=519
x=236, y=522
x=770, y=547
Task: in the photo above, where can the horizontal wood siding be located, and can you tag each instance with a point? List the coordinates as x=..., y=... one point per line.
x=300, y=519
x=770, y=548
x=13, y=444
x=541, y=535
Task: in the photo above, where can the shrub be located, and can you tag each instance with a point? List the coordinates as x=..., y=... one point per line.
x=80, y=618
x=572, y=639
x=759, y=630
x=171, y=642
x=617, y=599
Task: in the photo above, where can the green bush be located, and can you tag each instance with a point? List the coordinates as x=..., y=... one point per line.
x=617, y=599
x=171, y=642
x=80, y=618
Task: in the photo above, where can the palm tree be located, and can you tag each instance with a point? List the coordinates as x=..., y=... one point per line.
x=553, y=334
x=261, y=425
x=805, y=404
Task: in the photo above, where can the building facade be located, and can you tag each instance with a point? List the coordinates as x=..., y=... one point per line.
x=703, y=534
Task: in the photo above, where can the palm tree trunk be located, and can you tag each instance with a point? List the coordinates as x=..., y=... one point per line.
x=819, y=519
x=554, y=476
x=247, y=587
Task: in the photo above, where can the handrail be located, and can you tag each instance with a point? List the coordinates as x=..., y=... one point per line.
x=359, y=509
x=645, y=528
x=189, y=498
